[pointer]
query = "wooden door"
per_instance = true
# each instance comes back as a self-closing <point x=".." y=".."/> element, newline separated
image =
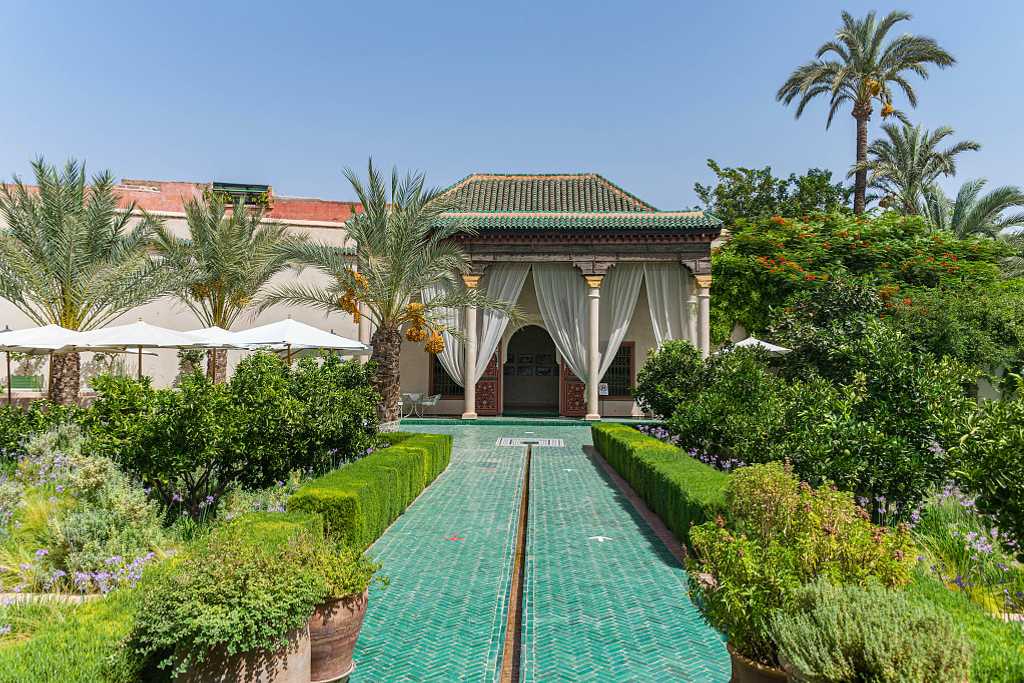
<point x="488" y="389"/>
<point x="573" y="396"/>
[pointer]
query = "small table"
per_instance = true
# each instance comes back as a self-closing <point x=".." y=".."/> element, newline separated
<point x="415" y="404"/>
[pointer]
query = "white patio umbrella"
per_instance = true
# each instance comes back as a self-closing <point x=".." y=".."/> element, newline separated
<point x="767" y="346"/>
<point x="137" y="335"/>
<point x="292" y="335"/>
<point x="214" y="337"/>
<point x="48" y="338"/>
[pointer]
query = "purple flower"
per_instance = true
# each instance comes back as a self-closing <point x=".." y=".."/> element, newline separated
<point x="176" y="498"/>
<point x="42" y="552"/>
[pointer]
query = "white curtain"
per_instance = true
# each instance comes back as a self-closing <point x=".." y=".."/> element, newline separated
<point x="502" y="281"/>
<point x="668" y="292"/>
<point x="562" y="299"/>
<point x="619" y="292"/>
<point x="454" y="353"/>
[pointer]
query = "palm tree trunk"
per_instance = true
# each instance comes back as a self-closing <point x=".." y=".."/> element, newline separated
<point x="387" y="349"/>
<point x="862" y="114"/>
<point x="65" y="375"/>
<point x="217" y="365"/>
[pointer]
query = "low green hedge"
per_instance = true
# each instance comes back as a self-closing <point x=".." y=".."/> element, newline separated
<point x="998" y="646"/>
<point x="682" y="491"/>
<point x="359" y="501"/>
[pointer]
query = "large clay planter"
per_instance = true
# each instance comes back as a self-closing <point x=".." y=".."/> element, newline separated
<point x="333" y="631"/>
<point x="748" y="671"/>
<point x="290" y="664"/>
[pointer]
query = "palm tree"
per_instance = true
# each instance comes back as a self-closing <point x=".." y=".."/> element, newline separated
<point x="864" y="66"/>
<point x="71" y="256"/>
<point x="403" y="244"/>
<point x="229" y="257"/>
<point x="973" y="213"/>
<point x="903" y="166"/>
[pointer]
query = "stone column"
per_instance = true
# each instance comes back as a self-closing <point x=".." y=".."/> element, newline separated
<point x="691" y="320"/>
<point x="469" y="362"/>
<point x="593" y="342"/>
<point x="704" y="314"/>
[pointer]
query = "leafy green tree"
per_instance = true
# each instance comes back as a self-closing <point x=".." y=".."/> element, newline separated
<point x="863" y="65"/>
<point x="740" y="193"/>
<point x="228" y="258"/>
<point x="908" y="161"/>
<point x="71" y="255"/>
<point x="404" y="243"/>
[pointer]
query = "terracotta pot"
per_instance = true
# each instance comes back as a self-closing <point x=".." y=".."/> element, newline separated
<point x="290" y="664"/>
<point x="333" y="631"/>
<point x="748" y="671"/>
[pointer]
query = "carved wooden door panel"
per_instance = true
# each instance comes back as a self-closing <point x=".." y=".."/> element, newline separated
<point x="573" y="395"/>
<point x="488" y="390"/>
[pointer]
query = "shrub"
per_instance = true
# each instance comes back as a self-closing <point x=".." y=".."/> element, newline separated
<point x="360" y="500"/>
<point x="18" y="424"/>
<point x="70" y="643"/>
<point x="80" y="524"/>
<point x="241" y="589"/>
<point x="193" y="444"/>
<point x="678" y="488"/>
<point x="990" y="459"/>
<point x="738" y="411"/>
<point x="782" y="533"/>
<point x="998" y="646"/>
<point x="849" y="633"/>
<point x="669" y="377"/>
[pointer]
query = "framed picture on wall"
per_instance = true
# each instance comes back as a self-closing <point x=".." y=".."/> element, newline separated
<point x="525" y="371"/>
<point x="545" y="370"/>
<point x="526" y="359"/>
<point x="545" y="359"/>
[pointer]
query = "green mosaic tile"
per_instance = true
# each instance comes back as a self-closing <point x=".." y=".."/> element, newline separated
<point x="449" y="558"/>
<point x="603" y="598"/>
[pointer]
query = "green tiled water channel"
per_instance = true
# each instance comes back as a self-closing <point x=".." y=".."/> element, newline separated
<point x="603" y="599"/>
<point x="449" y="558"/>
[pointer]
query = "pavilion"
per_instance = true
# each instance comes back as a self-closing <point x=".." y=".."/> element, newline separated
<point x="601" y="276"/>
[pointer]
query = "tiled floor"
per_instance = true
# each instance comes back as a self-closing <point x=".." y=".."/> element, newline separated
<point x="603" y="598"/>
<point x="449" y="558"/>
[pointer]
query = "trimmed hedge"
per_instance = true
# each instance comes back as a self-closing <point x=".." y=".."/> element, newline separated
<point x="359" y="501"/>
<point x="998" y="646"/>
<point x="680" y="490"/>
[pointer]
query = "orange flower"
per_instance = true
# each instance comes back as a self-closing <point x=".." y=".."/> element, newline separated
<point x="778" y="220"/>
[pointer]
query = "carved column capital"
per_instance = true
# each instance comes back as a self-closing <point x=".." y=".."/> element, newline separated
<point x="703" y="281"/>
<point x="471" y="280"/>
<point x="594" y="281"/>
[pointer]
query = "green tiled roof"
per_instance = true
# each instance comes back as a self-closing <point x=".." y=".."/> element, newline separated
<point x="577" y="202"/>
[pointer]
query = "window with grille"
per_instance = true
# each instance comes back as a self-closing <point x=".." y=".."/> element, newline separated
<point x="440" y="382"/>
<point x="619" y="375"/>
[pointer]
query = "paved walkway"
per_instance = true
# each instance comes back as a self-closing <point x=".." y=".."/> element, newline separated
<point x="603" y="598"/>
<point x="449" y="558"/>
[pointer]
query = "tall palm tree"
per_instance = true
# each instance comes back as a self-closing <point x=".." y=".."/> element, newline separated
<point x="863" y="66"/>
<point x="973" y="213"/>
<point x="403" y="245"/>
<point x="904" y="164"/>
<point x="228" y="258"/>
<point x="72" y="256"/>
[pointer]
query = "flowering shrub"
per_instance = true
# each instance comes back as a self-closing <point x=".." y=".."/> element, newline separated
<point x="770" y="260"/>
<point x="74" y="522"/>
<point x="719" y="462"/>
<point x="962" y="549"/>
<point x="778" y="534"/>
<point x="239" y="501"/>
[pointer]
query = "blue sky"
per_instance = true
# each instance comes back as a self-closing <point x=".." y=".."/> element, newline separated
<point x="643" y="92"/>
